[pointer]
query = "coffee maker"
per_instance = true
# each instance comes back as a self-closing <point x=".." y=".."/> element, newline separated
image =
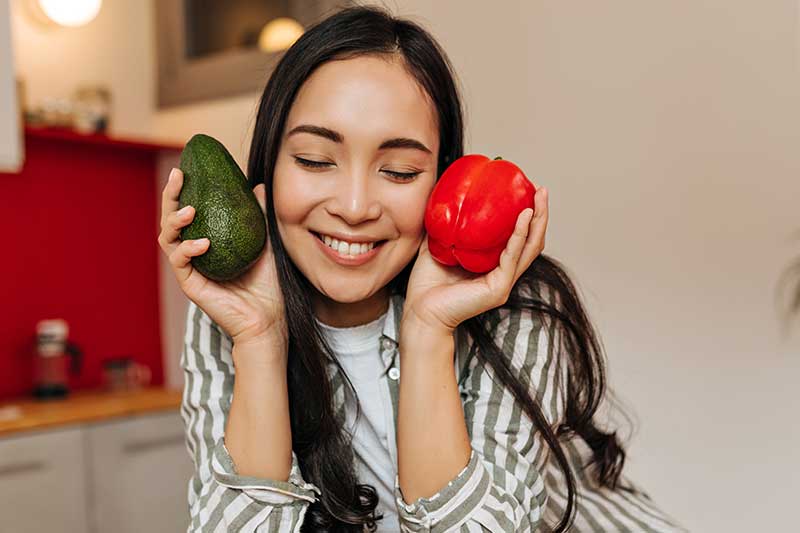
<point x="56" y="358"/>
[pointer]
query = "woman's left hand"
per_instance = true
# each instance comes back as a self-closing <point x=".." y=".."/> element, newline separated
<point x="441" y="297"/>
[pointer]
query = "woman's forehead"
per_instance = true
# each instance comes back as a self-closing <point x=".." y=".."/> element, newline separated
<point x="368" y="96"/>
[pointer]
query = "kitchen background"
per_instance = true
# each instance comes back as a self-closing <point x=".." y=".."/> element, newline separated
<point x="666" y="132"/>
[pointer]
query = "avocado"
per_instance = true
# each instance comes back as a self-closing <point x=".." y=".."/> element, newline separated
<point x="226" y="210"/>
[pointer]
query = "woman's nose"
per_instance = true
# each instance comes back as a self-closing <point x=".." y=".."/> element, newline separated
<point x="355" y="201"/>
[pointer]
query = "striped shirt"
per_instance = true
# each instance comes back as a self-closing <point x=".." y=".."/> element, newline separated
<point x="512" y="482"/>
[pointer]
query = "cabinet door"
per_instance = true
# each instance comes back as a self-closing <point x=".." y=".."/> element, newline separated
<point x="42" y="482"/>
<point x="140" y="471"/>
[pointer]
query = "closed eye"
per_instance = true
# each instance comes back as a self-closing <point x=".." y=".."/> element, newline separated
<point x="322" y="164"/>
<point x="312" y="164"/>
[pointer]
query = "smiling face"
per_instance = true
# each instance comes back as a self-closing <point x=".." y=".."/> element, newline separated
<point x="371" y="135"/>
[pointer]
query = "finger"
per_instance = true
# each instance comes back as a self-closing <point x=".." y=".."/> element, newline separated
<point x="170" y="194"/>
<point x="511" y="254"/>
<point x="536" y="234"/>
<point x="177" y="221"/>
<point x="541" y="216"/>
<point x="171" y="230"/>
<point x="181" y="258"/>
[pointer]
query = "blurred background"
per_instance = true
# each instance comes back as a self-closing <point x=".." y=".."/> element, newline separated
<point x="665" y="131"/>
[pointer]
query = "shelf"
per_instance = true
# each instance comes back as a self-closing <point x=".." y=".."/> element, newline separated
<point x="70" y="135"/>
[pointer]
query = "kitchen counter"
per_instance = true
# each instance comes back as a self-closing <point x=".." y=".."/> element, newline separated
<point x="27" y="414"/>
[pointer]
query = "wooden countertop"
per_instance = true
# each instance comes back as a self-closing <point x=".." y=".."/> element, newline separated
<point x="82" y="406"/>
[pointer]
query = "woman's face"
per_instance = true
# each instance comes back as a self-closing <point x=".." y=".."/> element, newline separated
<point x="362" y="121"/>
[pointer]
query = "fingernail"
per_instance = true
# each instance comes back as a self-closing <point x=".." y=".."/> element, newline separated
<point x="199" y="243"/>
<point x="184" y="211"/>
<point x="172" y="173"/>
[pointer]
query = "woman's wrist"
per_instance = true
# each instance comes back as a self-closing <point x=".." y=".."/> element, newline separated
<point x="263" y="331"/>
<point x="412" y="327"/>
<point x="266" y="349"/>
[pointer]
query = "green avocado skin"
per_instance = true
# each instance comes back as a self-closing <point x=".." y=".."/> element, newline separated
<point x="226" y="210"/>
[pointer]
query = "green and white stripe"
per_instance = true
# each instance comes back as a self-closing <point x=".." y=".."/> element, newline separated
<point x="511" y="483"/>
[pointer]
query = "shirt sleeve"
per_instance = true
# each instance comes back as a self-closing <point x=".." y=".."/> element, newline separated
<point x="500" y="489"/>
<point x="219" y="498"/>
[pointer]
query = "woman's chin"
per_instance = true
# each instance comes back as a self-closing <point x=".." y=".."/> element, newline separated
<point x="346" y="293"/>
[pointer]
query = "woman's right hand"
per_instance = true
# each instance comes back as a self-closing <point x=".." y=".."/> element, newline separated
<point x="250" y="307"/>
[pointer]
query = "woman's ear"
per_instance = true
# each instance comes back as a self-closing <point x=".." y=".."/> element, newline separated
<point x="261" y="196"/>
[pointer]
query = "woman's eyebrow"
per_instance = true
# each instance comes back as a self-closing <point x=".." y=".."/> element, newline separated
<point x="335" y="136"/>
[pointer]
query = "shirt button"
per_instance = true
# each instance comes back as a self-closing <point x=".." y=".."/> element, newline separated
<point x="387" y="344"/>
<point x="394" y="373"/>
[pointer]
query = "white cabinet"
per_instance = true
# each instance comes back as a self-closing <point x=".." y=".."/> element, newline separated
<point x="140" y="471"/>
<point x="125" y="475"/>
<point x="43" y="482"/>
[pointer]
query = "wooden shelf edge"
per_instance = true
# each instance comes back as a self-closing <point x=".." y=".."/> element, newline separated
<point x="70" y="135"/>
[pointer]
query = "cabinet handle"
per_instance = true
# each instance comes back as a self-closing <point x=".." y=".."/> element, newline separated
<point x="146" y="445"/>
<point x="20" y="468"/>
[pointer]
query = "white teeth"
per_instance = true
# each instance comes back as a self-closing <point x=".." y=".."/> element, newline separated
<point x="345" y="248"/>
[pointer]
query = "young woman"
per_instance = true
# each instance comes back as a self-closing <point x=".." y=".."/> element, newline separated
<point x="491" y="426"/>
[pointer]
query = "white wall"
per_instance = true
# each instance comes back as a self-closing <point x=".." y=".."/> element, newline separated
<point x="118" y="49"/>
<point x="667" y="134"/>
<point x="10" y="146"/>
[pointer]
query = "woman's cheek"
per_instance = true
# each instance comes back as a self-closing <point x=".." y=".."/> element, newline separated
<point x="411" y="213"/>
<point x="293" y="196"/>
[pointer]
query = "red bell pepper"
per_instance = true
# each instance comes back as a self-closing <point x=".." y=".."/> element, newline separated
<point x="472" y="210"/>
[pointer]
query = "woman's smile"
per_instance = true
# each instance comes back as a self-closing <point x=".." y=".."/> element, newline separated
<point x="347" y="253"/>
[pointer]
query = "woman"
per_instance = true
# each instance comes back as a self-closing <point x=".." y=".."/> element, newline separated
<point x="491" y="425"/>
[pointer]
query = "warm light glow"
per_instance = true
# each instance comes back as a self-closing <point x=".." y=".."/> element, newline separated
<point x="279" y="34"/>
<point x="71" y="12"/>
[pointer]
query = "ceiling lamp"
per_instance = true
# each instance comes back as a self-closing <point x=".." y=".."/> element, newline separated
<point x="71" y="13"/>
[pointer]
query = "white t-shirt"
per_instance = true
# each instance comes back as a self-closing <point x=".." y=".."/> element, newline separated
<point x="358" y="351"/>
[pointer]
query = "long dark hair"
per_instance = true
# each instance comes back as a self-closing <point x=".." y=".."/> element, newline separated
<point x="318" y="436"/>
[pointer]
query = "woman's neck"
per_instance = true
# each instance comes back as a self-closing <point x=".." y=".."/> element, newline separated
<point x="345" y="315"/>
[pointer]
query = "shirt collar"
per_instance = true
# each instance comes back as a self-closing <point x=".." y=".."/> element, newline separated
<point x="391" y="328"/>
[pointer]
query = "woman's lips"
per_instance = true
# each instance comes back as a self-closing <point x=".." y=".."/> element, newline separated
<point x="344" y="260"/>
